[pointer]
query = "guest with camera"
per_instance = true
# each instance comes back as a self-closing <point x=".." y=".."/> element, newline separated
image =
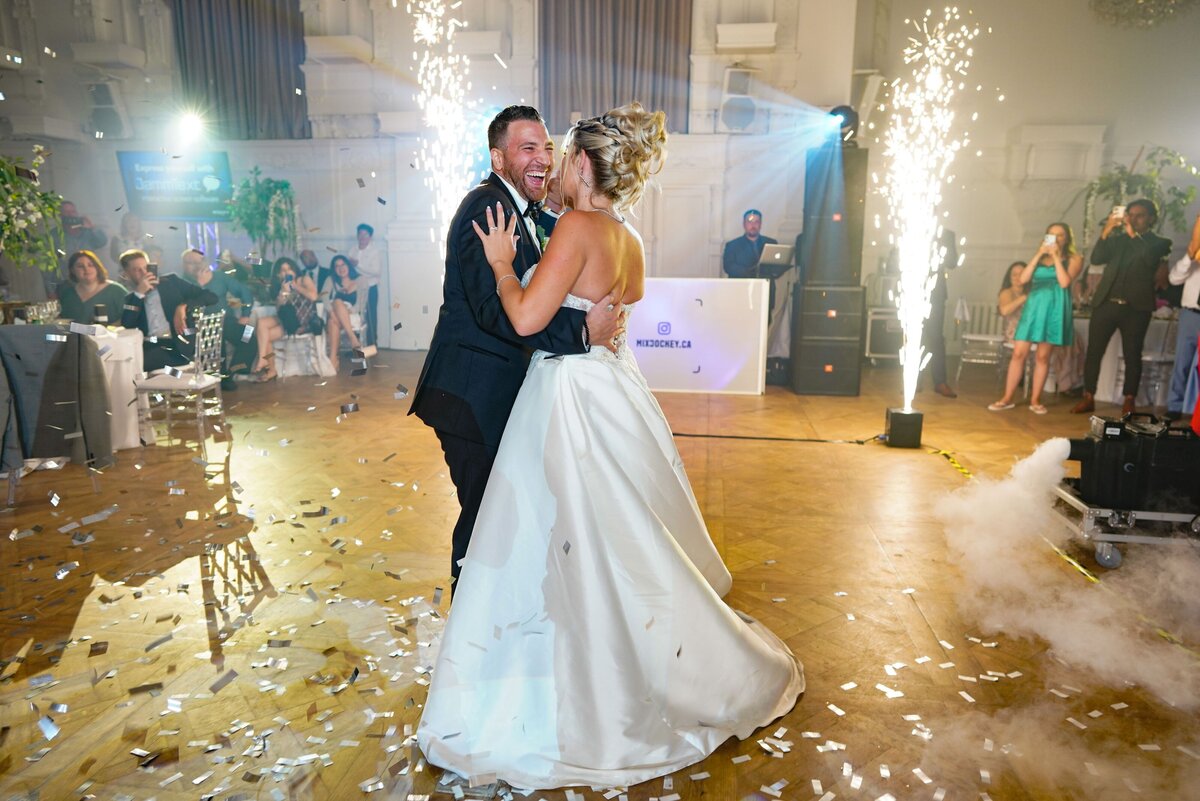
<point x="160" y="308"/>
<point x="1132" y="255"/>
<point x="1186" y="271"/>
<point x="295" y="298"/>
<point x="1046" y="316"/>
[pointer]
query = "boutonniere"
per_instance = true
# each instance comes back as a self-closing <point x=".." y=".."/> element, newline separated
<point x="543" y="237"/>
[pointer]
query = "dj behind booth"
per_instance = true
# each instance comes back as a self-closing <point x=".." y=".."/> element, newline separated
<point x="754" y="255"/>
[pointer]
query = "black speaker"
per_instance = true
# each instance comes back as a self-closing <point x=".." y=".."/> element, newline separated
<point x="827" y="330"/>
<point x="835" y="190"/>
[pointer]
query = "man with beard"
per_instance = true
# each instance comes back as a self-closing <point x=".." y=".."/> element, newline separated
<point x="476" y="359"/>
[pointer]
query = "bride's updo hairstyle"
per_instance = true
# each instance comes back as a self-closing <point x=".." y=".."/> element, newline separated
<point x="625" y="147"/>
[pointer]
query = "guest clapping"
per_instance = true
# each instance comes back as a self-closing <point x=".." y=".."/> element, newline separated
<point x="295" y="298"/>
<point x="1046" y="317"/>
<point x="344" y="297"/>
<point x="88" y="287"/>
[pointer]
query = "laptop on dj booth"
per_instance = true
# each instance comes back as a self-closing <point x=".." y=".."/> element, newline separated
<point x="775" y="260"/>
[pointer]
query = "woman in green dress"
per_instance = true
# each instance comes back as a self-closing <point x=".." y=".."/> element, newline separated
<point x="1046" y="319"/>
<point x="88" y="288"/>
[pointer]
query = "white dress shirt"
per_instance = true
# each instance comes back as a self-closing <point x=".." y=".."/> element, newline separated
<point x="369" y="263"/>
<point x="1186" y="271"/>
<point x="522" y="204"/>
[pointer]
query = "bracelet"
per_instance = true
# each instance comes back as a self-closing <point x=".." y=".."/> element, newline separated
<point x="501" y="281"/>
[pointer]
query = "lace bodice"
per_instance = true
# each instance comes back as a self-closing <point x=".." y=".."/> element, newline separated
<point x="570" y="302"/>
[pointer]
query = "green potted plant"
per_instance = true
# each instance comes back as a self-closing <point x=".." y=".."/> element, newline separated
<point x="265" y="208"/>
<point x="1119" y="184"/>
<point x="27" y="214"/>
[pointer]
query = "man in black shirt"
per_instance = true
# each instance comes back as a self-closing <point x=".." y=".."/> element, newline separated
<point x="1132" y="256"/>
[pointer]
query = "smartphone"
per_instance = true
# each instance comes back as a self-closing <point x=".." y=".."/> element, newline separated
<point x="152" y="267"/>
<point x="72" y="222"/>
<point x="1049" y="240"/>
<point x="1118" y="212"/>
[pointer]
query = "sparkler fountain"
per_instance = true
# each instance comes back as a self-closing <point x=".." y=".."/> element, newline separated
<point x="920" y="147"/>
<point x="442" y="76"/>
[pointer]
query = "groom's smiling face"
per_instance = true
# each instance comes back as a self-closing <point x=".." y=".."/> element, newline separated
<point x="526" y="158"/>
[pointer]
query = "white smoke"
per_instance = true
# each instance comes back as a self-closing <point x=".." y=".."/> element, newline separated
<point x="1014" y="584"/>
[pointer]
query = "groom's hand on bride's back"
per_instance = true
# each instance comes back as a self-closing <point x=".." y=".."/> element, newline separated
<point x="605" y="323"/>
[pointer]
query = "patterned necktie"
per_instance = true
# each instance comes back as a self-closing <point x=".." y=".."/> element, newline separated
<point x="534" y="211"/>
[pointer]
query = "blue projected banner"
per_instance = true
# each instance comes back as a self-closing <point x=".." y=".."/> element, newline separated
<point x="195" y="187"/>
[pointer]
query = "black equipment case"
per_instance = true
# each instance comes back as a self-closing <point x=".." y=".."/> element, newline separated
<point x="1139" y="463"/>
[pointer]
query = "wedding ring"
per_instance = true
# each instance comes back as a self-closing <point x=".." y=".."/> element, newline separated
<point x="494" y="229"/>
<point x="610" y="307"/>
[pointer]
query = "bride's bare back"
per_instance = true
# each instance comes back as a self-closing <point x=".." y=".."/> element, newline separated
<point x="614" y="258"/>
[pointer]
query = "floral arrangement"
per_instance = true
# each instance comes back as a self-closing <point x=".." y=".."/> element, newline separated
<point x="27" y="214"/>
<point x="265" y="208"/>
<point x="1119" y="183"/>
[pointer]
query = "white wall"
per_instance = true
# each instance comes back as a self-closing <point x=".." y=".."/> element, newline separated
<point x="1078" y="93"/>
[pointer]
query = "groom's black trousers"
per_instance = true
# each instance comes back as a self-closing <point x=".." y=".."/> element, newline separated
<point x="470" y="465"/>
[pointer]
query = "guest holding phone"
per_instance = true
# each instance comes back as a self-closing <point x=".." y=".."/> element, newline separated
<point x="1133" y="256"/>
<point x="160" y="308"/>
<point x="88" y="296"/>
<point x="295" y="297"/>
<point x="1046" y="317"/>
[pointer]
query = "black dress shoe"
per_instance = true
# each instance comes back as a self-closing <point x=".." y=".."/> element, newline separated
<point x="228" y="384"/>
<point x="945" y="391"/>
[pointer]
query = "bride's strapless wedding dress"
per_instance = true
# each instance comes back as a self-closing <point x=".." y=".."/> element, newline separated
<point x="588" y="643"/>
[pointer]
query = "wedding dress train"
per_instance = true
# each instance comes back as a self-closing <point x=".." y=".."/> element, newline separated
<point x="588" y="643"/>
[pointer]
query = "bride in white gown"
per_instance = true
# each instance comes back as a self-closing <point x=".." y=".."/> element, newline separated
<point x="588" y="643"/>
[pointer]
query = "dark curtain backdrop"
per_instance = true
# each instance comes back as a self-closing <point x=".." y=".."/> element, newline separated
<point x="600" y="54"/>
<point x="240" y="62"/>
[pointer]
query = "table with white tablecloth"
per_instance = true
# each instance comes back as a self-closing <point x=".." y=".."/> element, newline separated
<point x="121" y="354"/>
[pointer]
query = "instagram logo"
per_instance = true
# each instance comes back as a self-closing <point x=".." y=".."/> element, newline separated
<point x="664" y="329"/>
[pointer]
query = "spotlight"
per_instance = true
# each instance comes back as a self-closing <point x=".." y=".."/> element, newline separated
<point x="846" y="119"/>
<point x="189" y="129"/>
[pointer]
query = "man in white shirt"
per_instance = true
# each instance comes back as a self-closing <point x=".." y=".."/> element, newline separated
<point x="1186" y="271"/>
<point x="368" y="261"/>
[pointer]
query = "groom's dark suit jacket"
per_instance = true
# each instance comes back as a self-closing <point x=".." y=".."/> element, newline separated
<point x="476" y="360"/>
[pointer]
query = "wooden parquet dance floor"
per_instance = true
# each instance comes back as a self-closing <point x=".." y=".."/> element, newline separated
<point x="260" y="626"/>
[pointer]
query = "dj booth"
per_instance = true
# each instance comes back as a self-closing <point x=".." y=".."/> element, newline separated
<point x="702" y="334"/>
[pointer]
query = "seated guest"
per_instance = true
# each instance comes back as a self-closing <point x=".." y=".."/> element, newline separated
<point x="159" y="307"/>
<point x="342" y="296"/>
<point x="88" y="287"/>
<point x="1186" y="272"/>
<point x="313" y="269"/>
<point x="295" y="297"/>
<point x="1046" y="318"/>
<point x="1013" y="295"/>
<point x="236" y="300"/>
<point x="1131" y="254"/>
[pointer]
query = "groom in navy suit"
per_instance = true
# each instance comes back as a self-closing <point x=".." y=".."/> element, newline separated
<point x="476" y="359"/>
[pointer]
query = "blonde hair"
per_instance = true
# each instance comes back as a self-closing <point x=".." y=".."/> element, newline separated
<point x="625" y="147"/>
